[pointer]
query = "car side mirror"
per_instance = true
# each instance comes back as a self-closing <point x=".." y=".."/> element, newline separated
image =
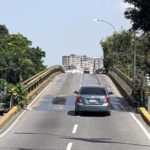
<point x="110" y="92"/>
<point x="76" y="92"/>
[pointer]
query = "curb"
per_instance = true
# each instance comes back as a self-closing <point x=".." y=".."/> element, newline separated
<point x="145" y="114"/>
<point x="4" y="119"/>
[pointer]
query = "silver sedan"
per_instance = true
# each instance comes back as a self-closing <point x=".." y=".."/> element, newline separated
<point x="92" y="99"/>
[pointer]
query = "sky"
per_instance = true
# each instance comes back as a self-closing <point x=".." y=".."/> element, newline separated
<point x="64" y="27"/>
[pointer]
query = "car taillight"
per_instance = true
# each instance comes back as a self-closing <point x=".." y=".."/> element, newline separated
<point x="78" y="99"/>
<point x="107" y="99"/>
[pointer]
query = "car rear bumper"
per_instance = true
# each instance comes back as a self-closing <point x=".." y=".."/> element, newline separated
<point x="93" y="108"/>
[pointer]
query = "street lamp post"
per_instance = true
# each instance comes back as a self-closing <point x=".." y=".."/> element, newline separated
<point x="100" y="20"/>
<point x="134" y="60"/>
<point x="105" y="21"/>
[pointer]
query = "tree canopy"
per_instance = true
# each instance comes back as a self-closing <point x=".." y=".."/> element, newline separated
<point x="121" y="55"/>
<point x="139" y="14"/>
<point x="3" y="30"/>
<point x="18" y="59"/>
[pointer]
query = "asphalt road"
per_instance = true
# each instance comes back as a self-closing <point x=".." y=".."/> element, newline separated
<point x="50" y="124"/>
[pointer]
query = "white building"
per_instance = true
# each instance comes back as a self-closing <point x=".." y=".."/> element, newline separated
<point x="81" y="62"/>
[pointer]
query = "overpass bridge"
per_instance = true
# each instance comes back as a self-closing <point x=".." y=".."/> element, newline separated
<point x="48" y="122"/>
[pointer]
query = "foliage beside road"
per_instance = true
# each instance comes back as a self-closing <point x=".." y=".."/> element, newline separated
<point x="118" y="51"/>
<point x="18" y="59"/>
<point x="119" y="48"/>
<point x="139" y="14"/>
<point x="18" y="62"/>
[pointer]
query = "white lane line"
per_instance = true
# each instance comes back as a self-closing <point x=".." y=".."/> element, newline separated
<point x="13" y="124"/>
<point x="19" y="117"/>
<point x="69" y="146"/>
<point x="75" y="128"/>
<point x="142" y="127"/>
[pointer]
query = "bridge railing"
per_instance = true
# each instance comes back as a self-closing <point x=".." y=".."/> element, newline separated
<point x="35" y="83"/>
<point x="138" y="93"/>
<point x="28" y="80"/>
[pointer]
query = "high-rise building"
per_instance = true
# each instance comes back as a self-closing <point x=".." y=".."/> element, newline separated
<point x="81" y="63"/>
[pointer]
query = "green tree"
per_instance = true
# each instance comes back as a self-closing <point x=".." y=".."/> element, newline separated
<point x="108" y="51"/>
<point x="139" y="14"/>
<point x="17" y="95"/>
<point x="3" y="30"/>
<point x="18" y="59"/>
<point x="118" y="51"/>
<point x="143" y="54"/>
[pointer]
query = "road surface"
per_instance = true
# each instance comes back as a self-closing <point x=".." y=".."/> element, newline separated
<point x="50" y="124"/>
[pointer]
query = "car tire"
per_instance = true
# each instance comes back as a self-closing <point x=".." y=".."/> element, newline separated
<point x="108" y="113"/>
<point x="76" y="113"/>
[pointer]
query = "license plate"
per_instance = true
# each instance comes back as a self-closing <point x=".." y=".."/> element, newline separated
<point x="92" y="101"/>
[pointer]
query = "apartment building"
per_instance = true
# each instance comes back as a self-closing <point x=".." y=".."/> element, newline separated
<point x="81" y="62"/>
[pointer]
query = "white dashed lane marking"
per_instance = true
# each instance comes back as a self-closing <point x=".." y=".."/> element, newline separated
<point x="69" y="146"/>
<point x="75" y="129"/>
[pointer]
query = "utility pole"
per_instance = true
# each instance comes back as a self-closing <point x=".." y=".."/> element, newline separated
<point x="94" y="65"/>
<point x="134" y="60"/>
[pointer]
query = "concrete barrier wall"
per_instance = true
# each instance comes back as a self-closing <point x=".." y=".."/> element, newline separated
<point x="121" y="81"/>
<point x="124" y="82"/>
<point x="8" y="116"/>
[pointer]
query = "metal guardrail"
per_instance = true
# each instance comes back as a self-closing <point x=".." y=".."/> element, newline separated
<point x="128" y="80"/>
<point x="36" y="82"/>
<point x="28" y="80"/>
<point x="34" y="85"/>
<point x="138" y="92"/>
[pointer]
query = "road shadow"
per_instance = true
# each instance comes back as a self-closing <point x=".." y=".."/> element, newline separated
<point x="104" y="140"/>
<point x="88" y="114"/>
<point x="121" y="104"/>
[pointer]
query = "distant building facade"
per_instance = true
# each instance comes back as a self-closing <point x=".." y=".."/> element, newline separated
<point x="81" y="62"/>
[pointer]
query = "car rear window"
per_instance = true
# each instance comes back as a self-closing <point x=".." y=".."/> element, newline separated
<point x="92" y="91"/>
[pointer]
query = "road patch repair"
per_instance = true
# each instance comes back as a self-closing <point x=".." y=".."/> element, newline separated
<point x="59" y="100"/>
